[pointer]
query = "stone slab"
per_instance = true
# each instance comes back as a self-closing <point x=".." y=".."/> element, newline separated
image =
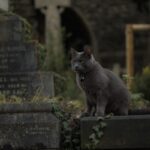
<point x="26" y="129"/>
<point x="122" y="132"/>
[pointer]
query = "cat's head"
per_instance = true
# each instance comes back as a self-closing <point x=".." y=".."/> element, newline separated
<point x="82" y="62"/>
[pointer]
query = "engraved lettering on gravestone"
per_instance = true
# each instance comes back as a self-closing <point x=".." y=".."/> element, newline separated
<point x="17" y="57"/>
<point x="14" y="84"/>
<point x="38" y="130"/>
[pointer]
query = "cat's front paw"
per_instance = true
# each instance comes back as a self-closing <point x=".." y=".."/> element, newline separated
<point x="84" y="114"/>
<point x="99" y="114"/>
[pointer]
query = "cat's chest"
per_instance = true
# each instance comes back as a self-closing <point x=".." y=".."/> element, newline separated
<point x="87" y="82"/>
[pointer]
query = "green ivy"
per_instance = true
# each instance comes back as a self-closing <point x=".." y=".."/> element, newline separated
<point x="97" y="132"/>
<point x="70" y="131"/>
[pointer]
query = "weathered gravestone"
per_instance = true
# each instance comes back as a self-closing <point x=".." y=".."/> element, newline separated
<point x="18" y="60"/>
<point x="28" y="126"/>
<point x="121" y="132"/>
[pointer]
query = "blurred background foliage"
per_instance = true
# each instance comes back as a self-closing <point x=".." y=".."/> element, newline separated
<point x="140" y="90"/>
<point x="142" y="83"/>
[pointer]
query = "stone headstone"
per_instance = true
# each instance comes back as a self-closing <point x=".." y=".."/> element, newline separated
<point x="18" y="61"/>
<point x="28" y="126"/>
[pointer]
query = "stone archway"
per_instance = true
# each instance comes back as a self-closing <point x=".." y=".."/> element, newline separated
<point x="76" y="31"/>
<point x="59" y="15"/>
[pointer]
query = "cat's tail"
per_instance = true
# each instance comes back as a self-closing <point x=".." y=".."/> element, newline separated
<point x="145" y="111"/>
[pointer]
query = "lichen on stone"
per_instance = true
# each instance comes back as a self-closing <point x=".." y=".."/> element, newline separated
<point x="26" y="27"/>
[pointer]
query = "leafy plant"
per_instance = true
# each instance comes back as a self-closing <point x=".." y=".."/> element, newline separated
<point x="138" y="101"/>
<point x="142" y="83"/>
<point x="98" y="132"/>
<point x="70" y="131"/>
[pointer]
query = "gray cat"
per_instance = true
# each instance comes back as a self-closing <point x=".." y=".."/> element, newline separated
<point x="105" y="92"/>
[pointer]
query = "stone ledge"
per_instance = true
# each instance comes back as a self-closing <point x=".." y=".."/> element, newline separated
<point x="122" y="132"/>
<point x="25" y="108"/>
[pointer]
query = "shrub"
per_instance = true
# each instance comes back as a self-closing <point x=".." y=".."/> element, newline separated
<point x="142" y="83"/>
<point x="138" y="102"/>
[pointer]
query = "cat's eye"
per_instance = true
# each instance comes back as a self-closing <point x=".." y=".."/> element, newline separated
<point x="80" y="61"/>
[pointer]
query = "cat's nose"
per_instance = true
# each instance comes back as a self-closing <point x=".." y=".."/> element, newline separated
<point x="76" y="67"/>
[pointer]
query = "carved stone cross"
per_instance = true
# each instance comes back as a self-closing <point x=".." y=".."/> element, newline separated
<point x="53" y="30"/>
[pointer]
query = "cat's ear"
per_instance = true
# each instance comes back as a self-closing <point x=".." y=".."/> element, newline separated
<point x="87" y="51"/>
<point x="73" y="52"/>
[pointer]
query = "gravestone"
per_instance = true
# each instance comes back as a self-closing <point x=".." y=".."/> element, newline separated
<point x="28" y="126"/>
<point x="18" y="60"/>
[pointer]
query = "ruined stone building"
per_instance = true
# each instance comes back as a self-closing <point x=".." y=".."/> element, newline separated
<point x="98" y="23"/>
